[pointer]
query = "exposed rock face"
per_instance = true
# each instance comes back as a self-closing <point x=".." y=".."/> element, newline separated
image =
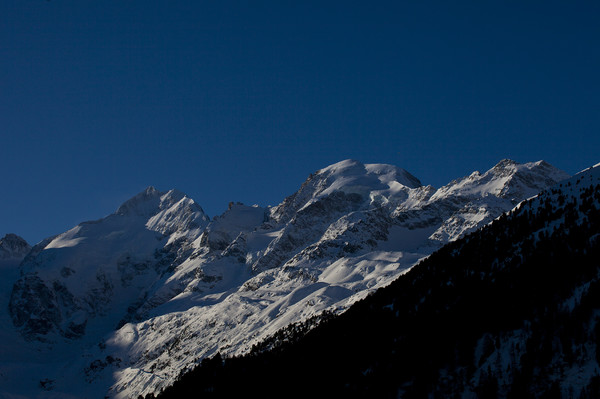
<point x="13" y="248"/>
<point x="35" y="307"/>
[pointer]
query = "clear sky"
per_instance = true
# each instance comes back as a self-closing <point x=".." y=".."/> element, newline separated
<point x="240" y="101"/>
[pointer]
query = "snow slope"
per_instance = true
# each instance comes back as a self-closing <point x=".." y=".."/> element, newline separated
<point x="143" y="294"/>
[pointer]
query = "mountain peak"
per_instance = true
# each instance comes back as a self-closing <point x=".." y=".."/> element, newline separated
<point x="341" y="166"/>
<point x="167" y="212"/>
<point x="365" y="182"/>
<point x="506" y="162"/>
<point x="378" y="176"/>
<point x="145" y="203"/>
<point x="504" y="168"/>
<point x="13" y="247"/>
<point x="10" y="237"/>
<point x="507" y="179"/>
<point x="541" y="162"/>
<point x="525" y="180"/>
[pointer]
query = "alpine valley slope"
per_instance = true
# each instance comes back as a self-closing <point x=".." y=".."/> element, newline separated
<point x="121" y="306"/>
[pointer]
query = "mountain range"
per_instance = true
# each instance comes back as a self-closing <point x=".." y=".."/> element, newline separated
<point x="511" y="310"/>
<point x="123" y="305"/>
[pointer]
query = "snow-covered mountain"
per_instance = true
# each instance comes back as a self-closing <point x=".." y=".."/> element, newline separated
<point x="510" y="311"/>
<point x="143" y="294"/>
<point x="95" y="274"/>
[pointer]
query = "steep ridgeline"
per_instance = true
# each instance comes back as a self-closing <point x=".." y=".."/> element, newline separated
<point x="509" y="311"/>
<point x="149" y="291"/>
<point x="96" y="273"/>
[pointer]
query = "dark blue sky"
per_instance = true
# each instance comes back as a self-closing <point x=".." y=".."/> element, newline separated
<point x="240" y="101"/>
